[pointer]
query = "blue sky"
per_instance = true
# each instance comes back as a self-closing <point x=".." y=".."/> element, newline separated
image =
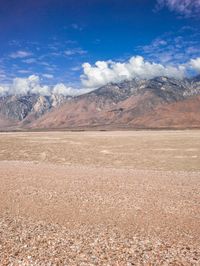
<point x="53" y="38"/>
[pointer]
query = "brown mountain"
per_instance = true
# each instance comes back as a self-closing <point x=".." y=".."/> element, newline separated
<point x="156" y="103"/>
<point x="160" y="102"/>
<point x="182" y="114"/>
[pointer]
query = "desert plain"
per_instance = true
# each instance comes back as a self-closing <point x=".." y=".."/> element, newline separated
<point x="100" y="198"/>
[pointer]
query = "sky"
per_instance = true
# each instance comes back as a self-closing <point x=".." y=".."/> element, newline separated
<point x="71" y="47"/>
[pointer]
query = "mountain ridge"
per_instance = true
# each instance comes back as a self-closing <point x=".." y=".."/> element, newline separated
<point x="133" y="103"/>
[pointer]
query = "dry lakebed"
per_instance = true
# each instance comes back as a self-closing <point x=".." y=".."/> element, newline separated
<point x="100" y="198"/>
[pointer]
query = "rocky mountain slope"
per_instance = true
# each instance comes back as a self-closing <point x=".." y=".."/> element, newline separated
<point x="159" y="102"/>
<point x="23" y="109"/>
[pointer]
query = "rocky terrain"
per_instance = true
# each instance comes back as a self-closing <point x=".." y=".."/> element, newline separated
<point x="159" y="102"/>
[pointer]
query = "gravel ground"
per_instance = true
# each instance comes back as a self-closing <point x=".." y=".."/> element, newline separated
<point x="27" y="243"/>
<point x="53" y="213"/>
<point x="61" y="215"/>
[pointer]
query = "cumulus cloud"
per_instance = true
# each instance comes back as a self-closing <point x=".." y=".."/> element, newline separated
<point x="188" y="8"/>
<point x="20" y="54"/>
<point x="104" y="72"/>
<point x="195" y="64"/>
<point x="4" y="90"/>
<point x="99" y="74"/>
<point x="28" y="85"/>
<point x="23" y="86"/>
<point x="32" y="85"/>
<point x="64" y="90"/>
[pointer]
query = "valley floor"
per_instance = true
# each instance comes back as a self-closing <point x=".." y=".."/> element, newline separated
<point x="100" y="198"/>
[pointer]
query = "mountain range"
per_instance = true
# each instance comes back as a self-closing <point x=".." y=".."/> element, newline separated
<point x="160" y="102"/>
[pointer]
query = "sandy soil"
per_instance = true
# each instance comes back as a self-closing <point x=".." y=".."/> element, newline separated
<point x="100" y="198"/>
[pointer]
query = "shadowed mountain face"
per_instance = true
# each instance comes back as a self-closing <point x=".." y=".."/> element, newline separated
<point x="159" y="102"/>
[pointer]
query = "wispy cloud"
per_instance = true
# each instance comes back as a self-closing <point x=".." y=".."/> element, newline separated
<point x="2" y="76"/>
<point x="30" y="60"/>
<point x="20" y="54"/>
<point x="43" y="63"/>
<point x="173" y="48"/>
<point x="23" y="71"/>
<point x="76" y="68"/>
<point x="76" y="27"/>
<point x="187" y="8"/>
<point x="75" y="51"/>
<point x="51" y="68"/>
<point x="48" y="76"/>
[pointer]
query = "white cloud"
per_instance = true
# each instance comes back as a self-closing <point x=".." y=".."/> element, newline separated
<point x="76" y="68"/>
<point x="3" y="90"/>
<point x="23" y="86"/>
<point x="61" y="89"/>
<point x="64" y="90"/>
<point x="2" y="76"/>
<point x="195" y="64"/>
<point x="29" y="85"/>
<point x="173" y="47"/>
<point x="104" y="72"/>
<point x="48" y="76"/>
<point x="75" y="51"/>
<point x="32" y="85"/>
<point x="23" y="71"/>
<point x="30" y="60"/>
<point x="101" y="73"/>
<point x="20" y="54"/>
<point x="188" y="8"/>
